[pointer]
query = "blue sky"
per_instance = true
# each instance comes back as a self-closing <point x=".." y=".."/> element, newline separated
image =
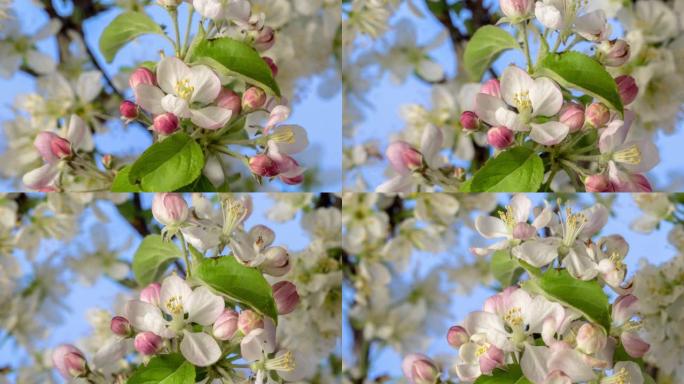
<point x="321" y="117"/>
<point x="387" y="97"/>
<point x="652" y="247"/>
<point x="102" y="293"/>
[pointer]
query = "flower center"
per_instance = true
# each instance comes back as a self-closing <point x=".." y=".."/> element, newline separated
<point x="284" y="362"/>
<point x="522" y="102"/>
<point x="183" y="89"/>
<point x="574" y="224"/>
<point x="620" y="377"/>
<point x="514" y="318"/>
<point x="234" y="210"/>
<point x="284" y="135"/>
<point x="482" y="349"/>
<point x="508" y="216"/>
<point x="175" y="306"/>
<point x="629" y="155"/>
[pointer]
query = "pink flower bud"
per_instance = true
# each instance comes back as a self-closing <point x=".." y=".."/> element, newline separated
<point x="253" y="98"/>
<point x="147" y="343"/>
<point x="403" y="157"/>
<point x="265" y="39"/>
<point x="52" y="147"/>
<point x="500" y="137"/>
<point x="165" y="124"/>
<point x="590" y="339"/>
<point x="597" y="115"/>
<point x="470" y="121"/>
<point x="128" y="110"/>
<point x="516" y="8"/>
<point x="634" y="345"/>
<point x="277" y="262"/>
<point x="624" y="308"/>
<point x="572" y="115"/>
<point x="60" y="147"/>
<point x="272" y="65"/>
<point x="150" y="294"/>
<point x="457" y="336"/>
<point x="524" y="231"/>
<point x="226" y="325"/>
<point x="598" y="183"/>
<point x="263" y="165"/>
<point x="286" y="297"/>
<point x="419" y="369"/>
<point x="640" y="183"/>
<point x="107" y="161"/>
<point x="69" y="361"/>
<point x="491" y="87"/>
<point x="490" y="360"/>
<point x="613" y="53"/>
<point x="229" y="100"/>
<point x="628" y="88"/>
<point x="169" y="208"/>
<point x="120" y="326"/>
<point x="142" y="76"/>
<point x="248" y="321"/>
<point x="294" y="180"/>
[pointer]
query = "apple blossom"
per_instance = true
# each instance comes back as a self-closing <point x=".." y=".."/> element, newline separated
<point x="628" y="88"/>
<point x="169" y="209"/>
<point x="229" y="100"/>
<point x="469" y="121"/>
<point x="597" y="115"/>
<point x="613" y="53"/>
<point x="120" y="326"/>
<point x="572" y="115"/>
<point x="69" y="361"/>
<point x="285" y="296"/>
<point x="457" y="336"/>
<point x="147" y="343"/>
<point x="403" y="157"/>
<point x="150" y="294"/>
<point x="128" y="110"/>
<point x="419" y="369"/>
<point x="500" y="137"/>
<point x="253" y="98"/>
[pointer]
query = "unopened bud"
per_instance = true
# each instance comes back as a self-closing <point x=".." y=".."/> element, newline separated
<point x="166" y="124"/>
<point x="69" y="361"/>
<point x="60" y="147"/>
<point x="277" y="262"/>
<point x="613" y="53"/>
<point x="169" y="208"/>
<point x="249" y="320"/>
<point x="128" y="110"/>
<point x="500" y="137"/>
<point x="107" y="161"/>
<point x="229" y="100"/>
<point x="597" y="115"/>
<point x="272" y="65"/>
<point x="52" y="147"/>
<point x="147" y="343"/>
<point x="470" y="121"/>
<point x="628" y="88"/>
<point x="572" y="115"/>
<point x="590" y="339"/>
<point x="419" y="369"/>
<point x="457" y="336"/>
<point x="285" y="296"/>
<point x="253" y="98"/>
<point x="142" y="76"/>
<point x="151" y="294"/>
<point x="597" y="183"/>
<point x="120" y="326"/>
<point x="263" y="165"/>
<point x="265" y="39"/>
<point x="403" y="157"/>
<point x="226" y="325"/>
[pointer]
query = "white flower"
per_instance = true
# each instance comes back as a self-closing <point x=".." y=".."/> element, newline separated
<point x="541" y="364"/>
<point x="180" y="307"/>
<point x="531" y="98"/>
<point x="182" y="90"/>
<point x="256" y="347"/>
<point x="222" y="9"/>
<point x="16" y="47"/>
<point x="654" y="20"/>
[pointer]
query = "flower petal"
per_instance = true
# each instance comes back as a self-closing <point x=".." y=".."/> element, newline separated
<point x="41" y="178"/>
<point x="204" y="307"/>
<point x="486" y="107"/>
<point x="170" y="71"/>
<point x="206" y="84"/>
<point x="549" y="133"/>
<point x="210" y="117"/>
<point x="173" y="287"/>
<point x="144" y="316"/>
<point x="149" y="98"/>
<point x="515" y="81"/>
<point x="537" y="252"/>
<point x="200" y="348"/>
<point x="521" y="206"/>
<point x="79" y="134"/>
<point x="491" y="227"/>
<point x="546" y="97"/>
<point x="176" y="105"/>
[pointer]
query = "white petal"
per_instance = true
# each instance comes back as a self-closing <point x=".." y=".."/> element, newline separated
<point x="486" y="107"/>
<point x="174" y="287"/>
<point x="204" y="307"/>
<point x="89" y="85"/>
<point x="537" y="252"/>
<point x="79" y="134"/>
<point x="515" y="81"/>
<point x="430" y="144"/>
<point x="511" y="120"/>
<point x="176" y="105"/>
<point x="430" y="71"/>
<point x="41" y="62"/>
<point x="206" y="83"/>
<point x="491" y="227"/>
<point x="144" y="316"/>
<point x="210" y="117"/>
<point x="549" y="133"/>
<point x="256" y="343"/>
<point x="41" y="178"/>
<point x="615" y="133"/>
<point x="579" y="264"/>
<point x="397" y="184"/>
<point x="170" y="72"/>
<point x="521" y="206"/>
<point x="534" y="363"/>
<point x="546" y="97"/>
<point x="213" y="170"/>
<point x="572" y="364"/>
<point x="296" y="144"/>
<point x="548" y="15"/>
<point x="488" y="323"/>
<point x="649" y="156"/>
<point x="10" y="62"/>
<point x="149" y="98"/>
<point x="200" y="348"/>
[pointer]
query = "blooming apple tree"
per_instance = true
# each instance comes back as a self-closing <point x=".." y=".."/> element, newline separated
<point x="576" y="109"/>
<point x="206" y="299"/>
<point x="214" y="100"/>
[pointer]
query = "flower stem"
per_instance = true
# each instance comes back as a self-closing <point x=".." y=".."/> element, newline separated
<point x="176" y="31"/>
<point x="523" y="30"/>
<point x="186" y="254"/>
<point x="188" y="27"/>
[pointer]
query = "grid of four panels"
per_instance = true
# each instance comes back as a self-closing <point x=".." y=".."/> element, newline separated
<point x="341" y="191"/>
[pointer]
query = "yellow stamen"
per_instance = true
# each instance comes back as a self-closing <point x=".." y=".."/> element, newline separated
<point x="183" y="89"/>
<point x="284" y="135"/>
<point x="175" y="305"/>
<point x="629" y="155"/>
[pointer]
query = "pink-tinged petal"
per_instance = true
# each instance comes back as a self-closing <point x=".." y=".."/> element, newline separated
<point x="170" y="72"/>
<point x="43" y="143"/>
<point x="41" y="179"/>
<point x="572" y="364"/>
<point x="210" y="117"/>
<point x="549" y="133"/>
<point x="515" y="81"/>
<point x="145" y="317"/>
<point x="521" y="206"/>
<point x="206" y="83"/>
<point x="491" y="227"/>
<point x="597" y="217"/>
<point x="511" y="120"/>
<point x="534" y="363"/>
<point x="397" y="184"/>
<point x="546" y="97"/>
<point x="79" y="134"/>
<point x="204" y="307"/>
<point x="256" y="343"/>
<point x="149" y="98"/>
<point x="537" y="252"/>
<point x="486" y="107"/>
<point x="279" y="114"/>
<point x="615" y="133"/>
<point x="200" y="348"/>
<point x="176" y="105"/>
<point x="431" y="144"/>
<point x="173" y="287"/>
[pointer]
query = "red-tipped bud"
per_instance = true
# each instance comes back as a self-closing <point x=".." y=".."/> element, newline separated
<point x="265" y="39"/>
<point x="572" y="115"/>
<point x="249" y="320"/>
<point x="263" y="165"/>
<point x="69" y="361"/>
<point x="60" y="147"/>
<point x="166" y="124"/>
<point x="470" y="121"/>
<point x="457" y="336"/>
<point x="419" y="369"/>
<point x="500" y="137"/>
<point x="272" y="65"/>
<point x="597" y="183"/>
<point x="52" y="147"/>
<point x="628" y="88"/>
<point x="147" y="343"/>
<point x="491" y="87"/>
<point x="286" y="297"/>
<point x="169" y="208"/>
<point x="142" y="76"/>
<point x="120" y="326"/>
<point x="150" y="294"/>
<point x="128" y="110"/>
<point x="403" y="157"/>
<point x="229" y="100"/>
<point x="226" y="325"/>
<point x="253" y="98"/>
<point x="597" y="115"/>
<point x="294" y="180"/>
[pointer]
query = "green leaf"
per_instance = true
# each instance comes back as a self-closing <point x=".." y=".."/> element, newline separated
<point x="234" y="58"/>
<point x="152" y="258"/>
<point x="164" y="369"/>
<point x="124" y="29"/>
<point x="239" y="283"/>
<point x="515" y="170"/>
<point x="168" y="165"/>
<point x="512" y="374"/>
<point x="585" y="296"/>
<point x="579" y="71"/>
<point x="121" y="182"/>
<point x="505" y="269"/>
<point x="484" y="47"/>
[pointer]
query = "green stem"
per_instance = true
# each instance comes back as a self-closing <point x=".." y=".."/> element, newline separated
<point x="186" y="253"/>
<point x="176" y="30"/>
<point x="523" y="30"/>
<point x="547" y="185"/>
<point x="557" y="44"/>
<point x="188" y="27"/>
